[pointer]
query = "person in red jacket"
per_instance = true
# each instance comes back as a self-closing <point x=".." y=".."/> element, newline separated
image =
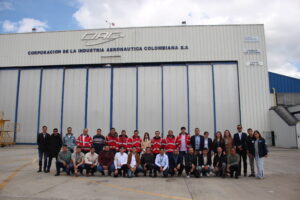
<point x="112" y="140"/>
<point x="84" y="141"/>
<point x="123" y="140"/>
<point x="135" y="141"/>
<point x="183" y="142"/>
<point x="170" y="143"/>
<point x="157" y="143"/>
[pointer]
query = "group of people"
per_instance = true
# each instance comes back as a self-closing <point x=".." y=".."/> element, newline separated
<point x="120" y="155"/>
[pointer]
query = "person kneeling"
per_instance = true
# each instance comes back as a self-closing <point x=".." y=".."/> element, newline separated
<point x="91" y="161"/>
<point x="161" y="163"/>
<point x="147" y="161"/>
<point x="220" y="163"/>
<point x="77" y="161"/>
<point x="63" y="161"/>
<point x="204" y="167"/>
<point x="120" y="162"/>
<point x="106" y="161"/>
<point x="190" y="160"/>
<point x="133" y="163"/>
<point x="233" y="160"/>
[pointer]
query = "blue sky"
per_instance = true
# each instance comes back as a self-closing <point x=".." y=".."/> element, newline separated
<point x="280" y="17"/>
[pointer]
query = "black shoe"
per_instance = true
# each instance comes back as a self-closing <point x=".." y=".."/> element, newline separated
<point x="245" y="174"/>
<point x="236" y="177"/>
<point x="155" y="175"/>
<point x="150" y="174"/>
<point x="40" y="170"/>
<point x="103" y="173"/>
<point x="231" y="175"/>
<point x="145" y="173"/>
<point x="57" y="174"/>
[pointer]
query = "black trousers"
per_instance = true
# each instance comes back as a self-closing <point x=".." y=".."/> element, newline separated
<point x="157" y="168"/>
<point x="90" y="169"/>
<point x="122" y="171"/>
<point x="172" y="171"/>
<point x="43" y="155"/>
<point x="50" y="160"/>
<point x="234" y="168"/>
<point x="149" y="166"/>
<point x="243" y="156"/>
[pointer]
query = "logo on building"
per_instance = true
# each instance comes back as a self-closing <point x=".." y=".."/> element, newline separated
<point x="95" y="38"/>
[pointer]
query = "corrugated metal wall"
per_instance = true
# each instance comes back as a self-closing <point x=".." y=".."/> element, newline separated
<point x="147" y="98"/>
<point x="283" y="84"/>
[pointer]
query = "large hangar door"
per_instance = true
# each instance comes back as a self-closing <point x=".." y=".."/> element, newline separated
<point x="201" y="98"/>
<point x="50" y="108"/>
<point x="28" y="106"/>
<point x="124" y="99"/>
<point x="74" y="100"/>
<point x="149" y="100"/>
<point x="175" y="98"/>
<point x="99" y="100"/>
<point x="226" y="96"/>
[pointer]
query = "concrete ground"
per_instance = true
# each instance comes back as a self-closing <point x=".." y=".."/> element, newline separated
<point x="19" y="180"/>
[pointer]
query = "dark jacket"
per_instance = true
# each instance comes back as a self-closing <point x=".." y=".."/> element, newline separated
<point x="262" y="148"/>
<point x="147" y="158"/>
<point x="250" y="144"/>
<point x="210" y="146"/>
<point x="218" y="160"/>
<point x="193" y="142"/>
<point x="55" y="144"/>
<point x="190" y="159"/>
<point x="174" y="160"/>
<point x="240" y="142"/>
<point x="98" y="142"/>
<point x="43" y="142"/>
<point x="106" y="158"/>
<point x="217" y="144"/>
<point x="201" y="159"/>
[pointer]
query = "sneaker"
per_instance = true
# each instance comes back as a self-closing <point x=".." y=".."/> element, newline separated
<point x="187" y="176"/>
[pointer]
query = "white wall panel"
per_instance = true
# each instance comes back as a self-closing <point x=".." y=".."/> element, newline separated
<point x="28" y="106"/>
<point x="201" y="98"/>
<point x="149" y="102"/>
<point x="8" y="90"/>
<point x="124" y="99"/>
<point x="74" y="100"/>
<point x="99" y="100"/>
<point x="226" y="97"/>
<point x="50" y="111"/>
<point x="175" y="98"/>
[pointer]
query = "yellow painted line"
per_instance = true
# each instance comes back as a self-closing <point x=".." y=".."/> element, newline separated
<point x="135" y="190"/>
<point x="12" y="175"/>
<point x="13" y="161"/>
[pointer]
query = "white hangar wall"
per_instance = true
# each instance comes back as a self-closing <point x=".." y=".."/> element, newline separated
<point x="218" y="79"/>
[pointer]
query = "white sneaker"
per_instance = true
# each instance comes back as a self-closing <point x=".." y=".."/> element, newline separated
<point x="187" y="176"/>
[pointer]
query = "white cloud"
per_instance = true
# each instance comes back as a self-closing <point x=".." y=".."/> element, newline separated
<point x="24" y="25"/>
<point x="281" y="19"/>
<point x="6" y="5"/>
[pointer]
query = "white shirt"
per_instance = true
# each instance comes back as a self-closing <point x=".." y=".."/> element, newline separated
<point x="120" y="159"/>
<point x="91" y="158"/>
<point x="133" y="161"/>
<point x="206" y="143"/>
<point x="162" y="161"/>
<point x="240" y="135"/>
<point x="183" y="143"/>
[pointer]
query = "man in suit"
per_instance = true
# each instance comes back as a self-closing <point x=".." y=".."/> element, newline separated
<point x="207" y="142"/>
<point x="176" y="163"/>
<point x="240" y="143"/>
<point x="205" y="166"/>
<point x="197" y="141"/>
<point x="43" y="141"/>
<point x="219" y="162"/>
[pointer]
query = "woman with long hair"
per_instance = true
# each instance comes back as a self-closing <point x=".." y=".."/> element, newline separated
<point x="218" y="142"/>
<point x="228" y="141"/>
<point x="146" y="141"/>
<point x="260" y="151"/>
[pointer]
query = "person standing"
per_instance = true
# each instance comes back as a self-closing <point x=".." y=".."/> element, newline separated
<point x="218" y="142"/>
<point x="55" y="145"/>
<point x="91" y="161"/>
<point x="233" y="163"/>
<point x="43" y="142"/>
<point x="239" y="142"/>
<point x="170" y="145"/>
<point x="161" y="163"/>
<point x="147" y="162"/>
<point x="228" y="141"/>
<point x="120" y="163"/>
<point x="146" y="142"/>
<point x="133" y="163"/>
<point x="250" y="150"/>
<point x="69" y="140"/>
<point x="135" y="141"/>
<point x="98" y="141"/>
<point x="207" y="142"/>
<point x="77" y="161"/>
<point x="260" y="151"/>
<point x="183" y="142"/>
<point x="106" y="161"/>
<point x="112" y="140"/>
<point x="197" y="141"/>
<point x="157" y="143"/>
<point x="84" y="141"/>
<point x="123" y="140"/>
<point x="64" y="160"/>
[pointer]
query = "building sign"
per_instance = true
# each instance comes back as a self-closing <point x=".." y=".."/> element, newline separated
<point x="95" y="38"/>
<point x="254" y="63"/>
<point x="251" y="39"/>
<point x="251" y="51"/>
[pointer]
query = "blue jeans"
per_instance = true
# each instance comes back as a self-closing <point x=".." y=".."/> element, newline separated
<point x="43" y="154"/>
<point x="138" y="169"/>
<point x="111" y="168"/>
<point x="60" y="165"/>
<point x="260" y="166"/>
